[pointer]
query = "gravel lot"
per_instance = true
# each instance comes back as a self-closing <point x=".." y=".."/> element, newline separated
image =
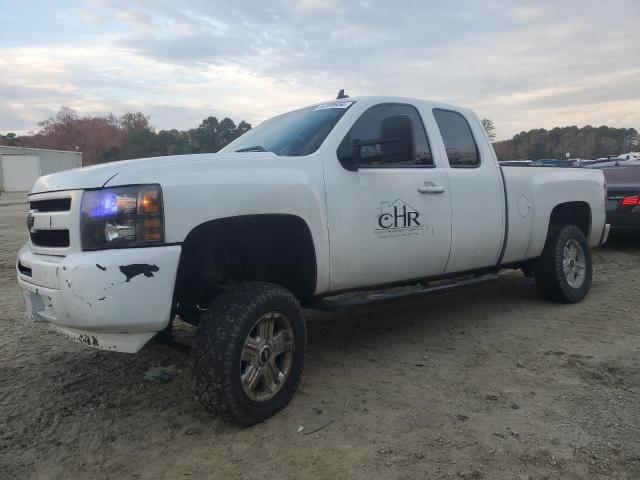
<point x="490" y="383"/>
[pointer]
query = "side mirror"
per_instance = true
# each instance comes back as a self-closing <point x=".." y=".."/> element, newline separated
<point x="349" y="155"/>
<point x="398" y="139"/>
<point x="395" y="144"/>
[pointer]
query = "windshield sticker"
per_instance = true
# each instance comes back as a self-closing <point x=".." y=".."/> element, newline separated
<point x="334" y="104"/>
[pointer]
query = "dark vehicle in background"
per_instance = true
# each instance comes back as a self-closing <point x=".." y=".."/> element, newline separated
<point x="554" y="162"/>
<point x="516" y="163"/>
<point x="623" y="194"/>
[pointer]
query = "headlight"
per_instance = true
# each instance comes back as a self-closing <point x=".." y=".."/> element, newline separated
<point x="122" y="217"/>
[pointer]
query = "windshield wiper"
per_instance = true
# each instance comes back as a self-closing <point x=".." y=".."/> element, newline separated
<point x="255" y="148"/>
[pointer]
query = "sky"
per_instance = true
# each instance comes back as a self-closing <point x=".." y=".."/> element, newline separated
<point x="523" y="64"/>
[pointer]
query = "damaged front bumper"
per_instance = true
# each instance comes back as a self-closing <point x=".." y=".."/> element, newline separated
<point x="110" y="299"/>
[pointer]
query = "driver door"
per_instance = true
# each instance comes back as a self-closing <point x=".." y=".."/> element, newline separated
<point x="388" y="204"/>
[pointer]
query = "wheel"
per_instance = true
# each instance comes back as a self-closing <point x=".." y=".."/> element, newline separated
<point x="248" y="353"/>
<point x="563" y="273"/>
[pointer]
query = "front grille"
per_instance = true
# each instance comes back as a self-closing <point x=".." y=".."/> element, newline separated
<point x="52" y="221"/>
<point x="50" y="238"/>
<point x="53" y="205"/>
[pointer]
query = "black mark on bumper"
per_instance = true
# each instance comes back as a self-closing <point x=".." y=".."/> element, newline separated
<point x="135" y="269"/>
<point x="87" y="340"/>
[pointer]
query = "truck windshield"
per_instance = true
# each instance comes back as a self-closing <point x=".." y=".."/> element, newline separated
<point x="292" y="134"/>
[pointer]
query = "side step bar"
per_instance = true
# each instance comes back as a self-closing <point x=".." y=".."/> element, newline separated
<point x="376" y="297"/>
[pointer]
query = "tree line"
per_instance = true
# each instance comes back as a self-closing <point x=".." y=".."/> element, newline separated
<point x="586" y="142"/>
<point x="108" y="138"/>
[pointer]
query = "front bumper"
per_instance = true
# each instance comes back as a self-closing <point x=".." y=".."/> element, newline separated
<point x="109" y="299"/>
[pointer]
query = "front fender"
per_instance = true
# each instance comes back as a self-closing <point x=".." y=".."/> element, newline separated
<point x="199" y="192"/>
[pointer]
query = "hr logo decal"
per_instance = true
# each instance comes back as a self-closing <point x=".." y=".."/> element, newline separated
<point x="398" y="219"/>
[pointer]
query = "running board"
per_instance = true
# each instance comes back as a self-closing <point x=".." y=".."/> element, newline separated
<point x="376" y="297"/>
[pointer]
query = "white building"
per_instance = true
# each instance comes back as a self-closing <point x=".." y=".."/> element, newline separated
<point x="20" y="167"/>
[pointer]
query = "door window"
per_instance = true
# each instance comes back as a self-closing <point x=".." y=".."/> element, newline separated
<point x="462" y="151"/>
<point x="388" y="135"/>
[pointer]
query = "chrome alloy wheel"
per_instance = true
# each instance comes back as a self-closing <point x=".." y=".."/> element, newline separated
<point x="574" y="263"/>
<point x="266" y="356"/>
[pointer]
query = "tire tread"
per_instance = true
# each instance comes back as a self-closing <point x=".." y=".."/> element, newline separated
<point x="548" y="272"/>
<point x="212" y="352"/>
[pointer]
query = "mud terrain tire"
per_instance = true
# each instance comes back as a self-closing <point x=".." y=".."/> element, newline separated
<point x="564" y="271"/>
<point x="232" y="346"/>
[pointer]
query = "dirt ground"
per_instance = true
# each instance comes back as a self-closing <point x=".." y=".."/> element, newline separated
<point x="490" y="383"/>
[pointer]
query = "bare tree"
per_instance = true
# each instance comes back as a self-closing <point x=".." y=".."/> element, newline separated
<point x="490" y="128"/>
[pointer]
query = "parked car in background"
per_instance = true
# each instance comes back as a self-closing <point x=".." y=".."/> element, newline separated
<point x="623" y="194"/>
<point x="516" y="163"/>
<point x="616" y="162"/>
<point x="547" y="162"/>
<point x="628" y="156"/>
<point x="581" y="162"/>
<point x="586" y="163"/>
<point x="554" y="162"/>
<point x="622" y="156"/>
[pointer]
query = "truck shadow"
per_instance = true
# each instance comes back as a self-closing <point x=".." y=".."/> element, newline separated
<point x="419" y="319"/>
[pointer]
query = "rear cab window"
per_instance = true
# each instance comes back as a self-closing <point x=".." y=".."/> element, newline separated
<point x="462" y="150"/>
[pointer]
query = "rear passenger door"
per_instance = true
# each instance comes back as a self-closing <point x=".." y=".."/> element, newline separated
<point x="477" y="195"/>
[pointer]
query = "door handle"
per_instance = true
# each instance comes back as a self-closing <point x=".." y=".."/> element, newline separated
<point x="430" y="188"/>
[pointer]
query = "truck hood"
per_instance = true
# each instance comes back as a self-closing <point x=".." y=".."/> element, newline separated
<point x="97" y="176"/>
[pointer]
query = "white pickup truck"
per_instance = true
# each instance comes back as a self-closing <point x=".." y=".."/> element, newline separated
<point x="351" y="194"/>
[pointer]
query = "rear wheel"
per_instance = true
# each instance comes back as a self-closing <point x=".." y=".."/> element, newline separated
<point x="563" y="273"/>
<point x="248" y="354"/>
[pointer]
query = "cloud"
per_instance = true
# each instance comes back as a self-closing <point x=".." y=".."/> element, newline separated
<point x="142" y="22"/>
<point x="175" y="96"/>
<point x="313" y="5"/>
<point x="526" y="12"/>
<point x="534" y="64"/>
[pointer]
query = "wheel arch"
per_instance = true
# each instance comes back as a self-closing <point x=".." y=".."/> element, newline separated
<point x="577" y="213"/>
<point x="276" y="248"/>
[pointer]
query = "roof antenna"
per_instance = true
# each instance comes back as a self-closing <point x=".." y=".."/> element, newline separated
<point x="341" y="94"/>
